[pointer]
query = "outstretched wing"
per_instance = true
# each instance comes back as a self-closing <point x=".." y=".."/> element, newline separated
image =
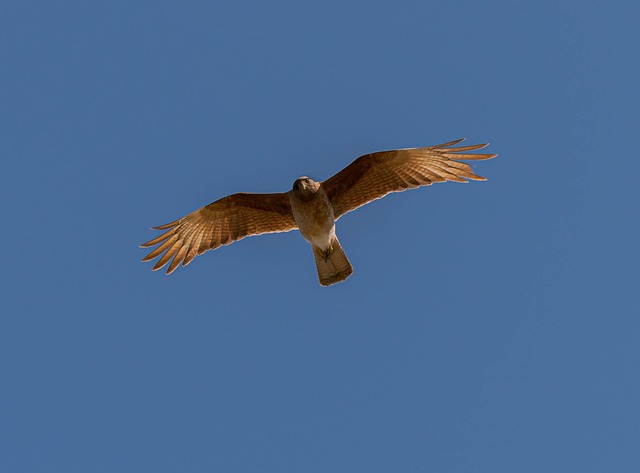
<point x="220" y="223"/>
<point x="375" y="175"/>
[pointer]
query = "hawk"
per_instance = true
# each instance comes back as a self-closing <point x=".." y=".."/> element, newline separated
<point x="312" y="207"/>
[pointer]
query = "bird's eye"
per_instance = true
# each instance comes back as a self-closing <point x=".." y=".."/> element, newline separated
<point x="306" y="179"/>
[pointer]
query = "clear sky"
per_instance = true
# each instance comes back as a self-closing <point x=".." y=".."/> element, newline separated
<point x="488" y="327"/>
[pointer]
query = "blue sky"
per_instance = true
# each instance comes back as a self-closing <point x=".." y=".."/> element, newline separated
<point x="488" y="327"/>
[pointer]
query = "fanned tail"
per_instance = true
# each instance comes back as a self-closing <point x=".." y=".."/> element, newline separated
<point x="333" y="265"/>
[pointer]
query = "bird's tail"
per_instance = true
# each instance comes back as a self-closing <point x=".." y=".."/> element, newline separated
<point x="333" y="265"/>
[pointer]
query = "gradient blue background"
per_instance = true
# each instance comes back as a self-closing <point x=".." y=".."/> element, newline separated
<point x="488" y="327"/>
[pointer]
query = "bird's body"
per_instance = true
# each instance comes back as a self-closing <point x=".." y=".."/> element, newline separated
<point x="313" y="213"/>
<point x="312" y="207"/>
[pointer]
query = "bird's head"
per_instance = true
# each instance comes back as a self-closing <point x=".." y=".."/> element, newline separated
<point x="305" y="184"/>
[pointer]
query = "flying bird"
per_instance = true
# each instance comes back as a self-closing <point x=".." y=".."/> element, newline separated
<point x="312" y="207"/>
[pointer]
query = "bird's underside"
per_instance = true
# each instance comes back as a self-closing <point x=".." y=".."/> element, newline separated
<point x="312" y="207"/>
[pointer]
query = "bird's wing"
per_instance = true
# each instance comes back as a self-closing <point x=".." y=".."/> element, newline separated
<point x="220" y="223"/>
<point x="375" y="175"/>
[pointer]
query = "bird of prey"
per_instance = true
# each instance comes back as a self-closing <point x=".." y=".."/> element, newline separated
<point x="312" y="207"/>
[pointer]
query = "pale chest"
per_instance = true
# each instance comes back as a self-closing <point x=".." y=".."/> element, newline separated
<point x="314" y="218"/>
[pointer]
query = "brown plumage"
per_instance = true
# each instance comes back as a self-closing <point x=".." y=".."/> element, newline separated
<point x="312" y="207"/>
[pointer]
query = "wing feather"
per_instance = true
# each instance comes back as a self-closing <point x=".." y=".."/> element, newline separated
<point x="157" y="240"/>
<point x="160" y="249"/>
<point x="375" y="175"/>
<point x="170" y="253"/>
<point x="222" y="222"/>
<point x="448" y="144"/>
<point x="178" y="258"/>
<point x="192" y="253"/>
